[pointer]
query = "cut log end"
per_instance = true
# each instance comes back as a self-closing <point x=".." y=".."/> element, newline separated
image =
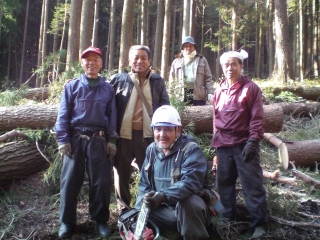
<point x="283" y="155"/>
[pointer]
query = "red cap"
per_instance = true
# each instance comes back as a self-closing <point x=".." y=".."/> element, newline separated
<point x="91" y="49"/>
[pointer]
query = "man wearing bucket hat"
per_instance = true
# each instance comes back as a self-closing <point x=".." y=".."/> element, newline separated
<point x="190" y="78"/>
<point x="172" y="177"/>
<point x="238" y="128"/>
<point x="86" y="132"/>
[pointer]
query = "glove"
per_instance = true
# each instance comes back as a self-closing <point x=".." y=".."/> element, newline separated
<point x="250" y="149"/>
<point x="65" y="149"/>
<point x="154" y="199"/>
<point x="111" y="150"/>
<point x="208" y="196"/>
<point x="210" y="97"/>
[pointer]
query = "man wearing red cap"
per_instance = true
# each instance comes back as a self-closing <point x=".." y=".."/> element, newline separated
<point x="86" y="132"/>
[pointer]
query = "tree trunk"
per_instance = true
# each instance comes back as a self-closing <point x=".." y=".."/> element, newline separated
<point x="235" y="25"/>
<point x="74" y="32"/>
<point x="283" y="52"/>
<point x="201" y="118"/>
<point x="64" y="24"/>
<point x="19" y="160"/>
<point x="126" y="32"/>
<point x="309" y="93"/>
<point x="28" y="116"/>
<point x="112" y="35"/>
<point x="41" y="116"/>
<point x="186" y="18"/>
<point x="166" y="40"/>
<point x="44" y="41"/>
<point x="300" y="109"/>
<point x="302" y="153"/>
<point x="39" y="63"/>
<point x="158" y="38"/>
<point x="36" y="93"/>
<point x="315" y="13"/>
<point x="24" y="41"/>
<point x="86" y="25"/>
<point x="143" y="39"/>
<point x="270" y="35"/>
<point x="95" y="29"/>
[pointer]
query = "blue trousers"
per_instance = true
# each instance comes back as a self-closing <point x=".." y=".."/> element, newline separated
<point x="89" y="155"/>
<point x="230" y="167"/>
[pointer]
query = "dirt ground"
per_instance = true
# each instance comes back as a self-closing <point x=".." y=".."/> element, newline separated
<point x="30" y="213"/>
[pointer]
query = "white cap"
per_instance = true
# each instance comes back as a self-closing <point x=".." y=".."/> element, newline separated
<point x="166" y="116"/>
<point x="231" y="54"/>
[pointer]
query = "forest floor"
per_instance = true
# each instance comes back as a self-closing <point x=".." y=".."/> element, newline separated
<point x="29" y="211"/>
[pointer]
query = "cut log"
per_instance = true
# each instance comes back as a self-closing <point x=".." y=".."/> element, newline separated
<point x="36" y="93"/>
<point x="276" y="177"/>
<point x="302" y="153"/>
<point x="27" y="116"/>
<point x="300" y="109"/>
<point x="202" y="118"/>
<point x="40" y="116"/>
<point x="19" y="160"/>
<point x="306" y="92"/>
<point x="306" y="178"/>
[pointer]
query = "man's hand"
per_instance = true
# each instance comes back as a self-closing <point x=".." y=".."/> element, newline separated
<point x="65" y="149"/>
<point x="154" y="199"/>
<point x="209" y="196"/>
<point x="210" y="97"/>
<point x="250" y="149"/>
<point x="111" y="150"/>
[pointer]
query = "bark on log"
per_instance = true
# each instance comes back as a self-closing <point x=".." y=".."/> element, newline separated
<point x="39" y="116"/>
<point x="300" y="109"/>
<point x="202" y="118"/>
<point x="36" y="93"/>
<point x="302" y="153"/>
<point x="306" y="178"/>
<point x="19" y="160"/>
<point x="275" y="176"/>
<point x="309" y="93"/>
<point x="27" y="116"/>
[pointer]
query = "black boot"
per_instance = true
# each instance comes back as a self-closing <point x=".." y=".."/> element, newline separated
<point x="66" y="230"/>
<point x="103" y="229"/>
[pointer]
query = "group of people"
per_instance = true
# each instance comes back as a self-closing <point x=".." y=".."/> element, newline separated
<point x="107" y="124"/>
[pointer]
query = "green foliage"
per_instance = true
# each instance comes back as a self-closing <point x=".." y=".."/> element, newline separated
<point x="11" y="9"/>
<point x="281" y="203"/>
<point x="56" y="25"/>
<point x="10" y="98"/>
<point x="74" y="70"/>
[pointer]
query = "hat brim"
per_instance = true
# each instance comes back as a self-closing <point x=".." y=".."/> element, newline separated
<point x="163" y="124"/>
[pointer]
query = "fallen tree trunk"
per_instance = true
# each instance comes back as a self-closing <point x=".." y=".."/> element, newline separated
<point x="27" y="116"/>
<point x="202" y="118"/>
<point x="305" y="177"/>
<point x="36" y="93"/>
<point x="19" y="160"/>
<point x="40" y="116"/>
<point x="276" y="177"/>
<point x="306" y="92"/>
<point x="300" y="109"/>
<point x="302" y="153"/>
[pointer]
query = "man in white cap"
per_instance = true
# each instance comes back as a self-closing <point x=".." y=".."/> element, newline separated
<point x="190" y="78"/>
<point x="238" y="128"/>
<point x="86" y="132"/>
<point x="172" y="178"/>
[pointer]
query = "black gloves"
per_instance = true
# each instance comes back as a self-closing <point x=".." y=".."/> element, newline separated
<point x="250" y="149"/>
<point x="154" y="199"/>
<point x="209" y="196"/>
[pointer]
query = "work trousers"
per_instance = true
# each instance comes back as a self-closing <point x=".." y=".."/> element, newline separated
<point x="230" y="166"/>
<point x="190" y="217"/>
<point x="90" y="155"/>
<point x="127" y="150"/>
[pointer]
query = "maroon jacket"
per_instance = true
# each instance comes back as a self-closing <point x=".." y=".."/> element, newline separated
<point x="238" y="113"/>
